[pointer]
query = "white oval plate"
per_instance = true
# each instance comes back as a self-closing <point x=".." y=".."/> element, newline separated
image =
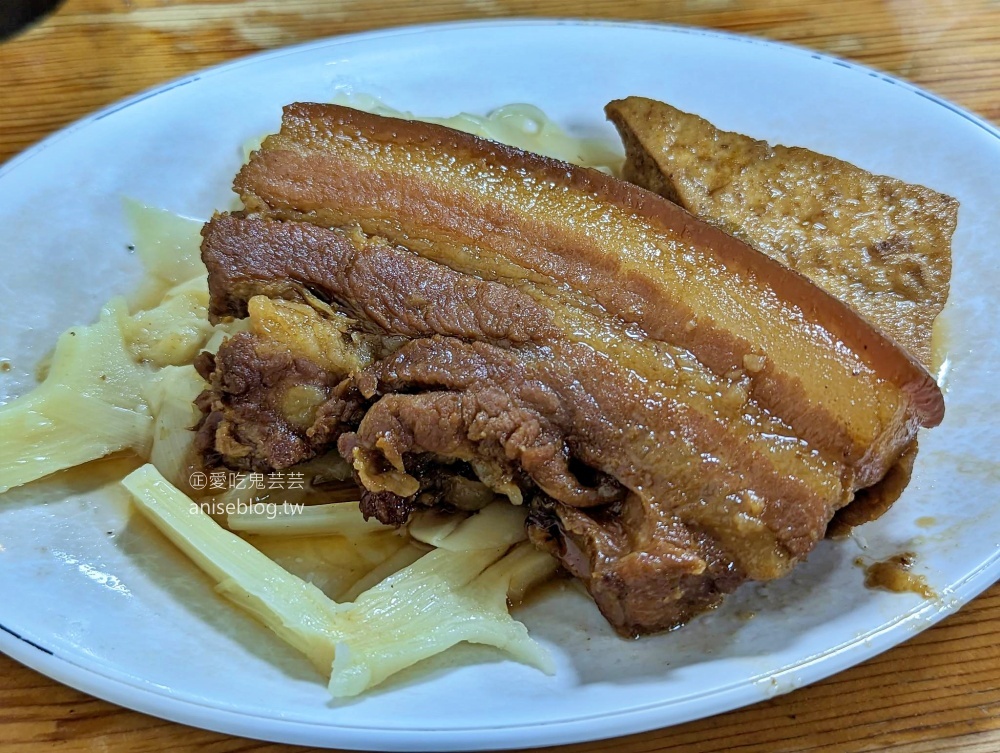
<point x="98" y="600"/>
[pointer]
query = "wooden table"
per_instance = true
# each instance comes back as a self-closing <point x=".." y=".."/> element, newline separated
<point x="938" y="692"/>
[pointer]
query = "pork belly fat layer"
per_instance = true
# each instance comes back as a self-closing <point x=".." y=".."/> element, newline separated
<point x="481" y="206"/>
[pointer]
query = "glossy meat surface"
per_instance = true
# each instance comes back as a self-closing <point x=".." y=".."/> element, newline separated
<point x="680" y="411"/>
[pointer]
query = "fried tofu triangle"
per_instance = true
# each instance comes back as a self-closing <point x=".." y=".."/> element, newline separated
<point x="879" y="244"/>
<point x="730" y="404"/>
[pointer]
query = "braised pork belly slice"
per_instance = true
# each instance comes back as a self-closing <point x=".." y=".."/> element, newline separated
<point x="499" y="212"/>
<point x="680" y="412"/>
<point x="660" y="392"/>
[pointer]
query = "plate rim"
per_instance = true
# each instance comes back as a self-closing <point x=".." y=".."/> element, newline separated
<point x="127" y="692"/>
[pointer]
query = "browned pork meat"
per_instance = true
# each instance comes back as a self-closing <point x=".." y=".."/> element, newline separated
<point x="393" y="289"/>
<point x="267" y="409"/>
<point x="680" y="412"/>
<point x="634" y="556"/>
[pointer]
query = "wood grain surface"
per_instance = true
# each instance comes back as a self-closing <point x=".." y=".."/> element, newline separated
<point x="938" y="692"/>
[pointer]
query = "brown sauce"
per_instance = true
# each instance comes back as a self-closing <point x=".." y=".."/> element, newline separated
<point x="94" y="474"/>
<point x="558" y="582"/>
<point x="893" y="574"/>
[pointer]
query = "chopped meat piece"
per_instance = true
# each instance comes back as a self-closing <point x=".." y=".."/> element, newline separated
<point x="386" y="507"/>
<point x="766" y="498"/>
<point x="267" y="410"/>
<point x="635" y="556"/>
<point x="440" y="485"/>
<point x="482" y="426"/>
